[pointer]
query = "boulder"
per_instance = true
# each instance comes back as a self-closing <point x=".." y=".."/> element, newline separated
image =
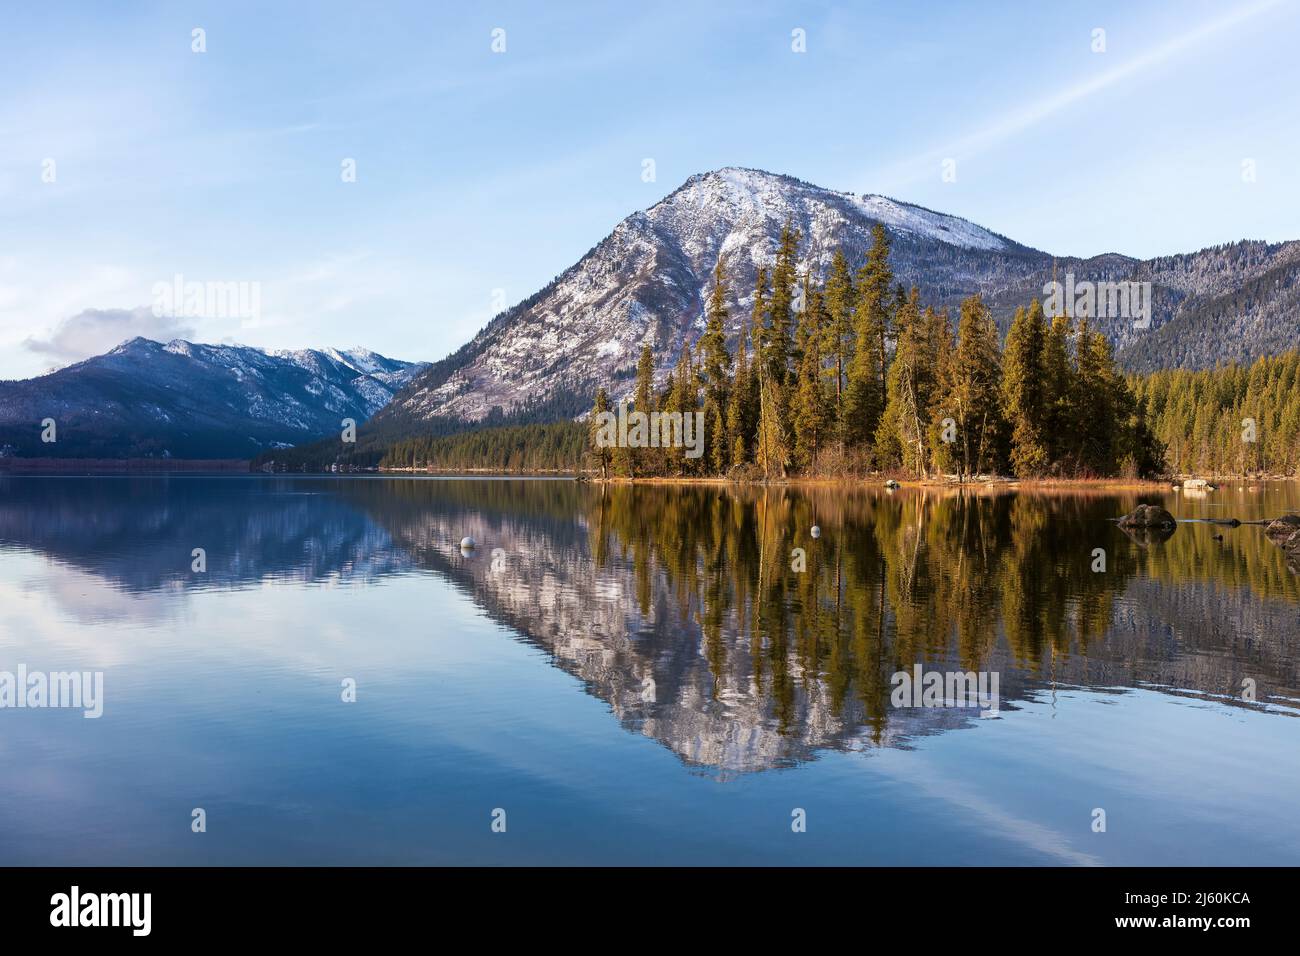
<point x="1148" y="516"/>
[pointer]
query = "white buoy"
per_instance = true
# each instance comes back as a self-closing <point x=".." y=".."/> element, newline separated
<point x="816" y="531"/>
<point x="467" y="543"/>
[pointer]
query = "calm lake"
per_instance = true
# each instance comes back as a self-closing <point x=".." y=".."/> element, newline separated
<point x="650" y="675"/>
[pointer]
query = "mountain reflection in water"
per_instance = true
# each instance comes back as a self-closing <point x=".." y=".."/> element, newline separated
<point x="680" y="609"/>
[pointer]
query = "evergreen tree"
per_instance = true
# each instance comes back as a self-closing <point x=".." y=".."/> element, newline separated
<point x="717" y="453"/>
<point x="771" y="356"/>
<point x="643" y="458"/>
<point x="839" y="331"/>
<point x="766" y="395"/>
<point x="1024" y="390"/>
<point x="771" y="449"/>
<point x="812" y="412"/>
<point x="865" y="397"/>
<point x="971" y="392"/>
<point x="1093" y="411"/>
<point x="777" y="319"/>
<point x="942" y="443"/>
<point x="684" y="400"/>
<point x="715" y="366"/>
<point x="741" y="408"/>
<point x="903" y="437"/>
<point x="1058" y="387"/>
<point x="602" y="456"/>
<point x="624" y="459"/>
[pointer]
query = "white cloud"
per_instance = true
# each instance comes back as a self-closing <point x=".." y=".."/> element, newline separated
<point x="95" y="331"/>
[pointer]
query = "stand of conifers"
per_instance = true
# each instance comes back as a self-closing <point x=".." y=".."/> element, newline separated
<point x="849" y="373"/>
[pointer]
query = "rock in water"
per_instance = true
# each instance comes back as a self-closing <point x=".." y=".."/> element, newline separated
<point x="1148" y="516"/>
<point x="891" y="484"/>
<point x="1281" y="529"/>
<point x="816" y="531"/>
<point x="467" y="543"/>
<point x="1285" y="533"/>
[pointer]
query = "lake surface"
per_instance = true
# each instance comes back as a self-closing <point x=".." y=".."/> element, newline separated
<point x="641" y="675"/>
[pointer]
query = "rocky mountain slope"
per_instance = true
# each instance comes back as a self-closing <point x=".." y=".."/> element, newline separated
<point x="648" y="280"/>
<point x="184" y="400"/>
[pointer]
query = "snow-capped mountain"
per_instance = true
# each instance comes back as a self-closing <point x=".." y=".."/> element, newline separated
<point x="186" y="400"/>
<point x="648" y="281"/>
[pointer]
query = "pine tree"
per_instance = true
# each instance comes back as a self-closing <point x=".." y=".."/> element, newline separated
<point x="839" y="331"/>
<point x="717" y="453"/>
<point x="1024" y="391"/>
<point x="903" y="437"/>
<point x="1093" y="411"/>
<point x="740" y="405"/>
<point x="971" y="392"/>
<point x="771" y="450"/>
<point x="942" y="443"/>
<point x="812" y="412"/>
<point x="624" y="459"/>
<point x="602" y="456"/>
<point x="1058" y="386"/>
<point x="776" y="323"/>
<point x="715" y="369"/>
<point x="770" y="352"/>
<point x="684" y="400"/>
<point x="644" y="457"/>
<point x="865" y="397"/>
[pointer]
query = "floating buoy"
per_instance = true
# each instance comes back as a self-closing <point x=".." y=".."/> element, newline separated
<point x="467" y="543"/>
<point x="816" y="531"/>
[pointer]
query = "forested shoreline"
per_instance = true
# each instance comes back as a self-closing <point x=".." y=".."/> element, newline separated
<point x="852" y="374"/>
<point x="848" y="374"/>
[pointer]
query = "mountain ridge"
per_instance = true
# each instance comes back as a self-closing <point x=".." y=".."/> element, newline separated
<point x="182" y="399"/>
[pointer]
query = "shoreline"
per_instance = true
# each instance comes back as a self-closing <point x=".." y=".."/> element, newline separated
<point x="108" y="466"/>
<point x="879" y="480"/>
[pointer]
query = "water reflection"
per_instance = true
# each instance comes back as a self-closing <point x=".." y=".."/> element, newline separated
<point x="682" y="608"/>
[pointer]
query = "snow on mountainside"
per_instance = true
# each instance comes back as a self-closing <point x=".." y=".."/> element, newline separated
<point x="748" y="198"/>
<point x="189" y="400"/>
<point x="648" y="280"/>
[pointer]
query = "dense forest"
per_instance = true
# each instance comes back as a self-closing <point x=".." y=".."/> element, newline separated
<point x="850" y="373"/>
<point x="1233" y="420"/>
<point x="558" y="446"/>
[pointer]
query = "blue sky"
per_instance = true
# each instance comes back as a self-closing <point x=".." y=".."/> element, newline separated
<point x="481" y="175"/>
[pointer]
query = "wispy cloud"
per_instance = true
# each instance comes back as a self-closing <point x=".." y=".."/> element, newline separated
<point x="1005" y="126"/>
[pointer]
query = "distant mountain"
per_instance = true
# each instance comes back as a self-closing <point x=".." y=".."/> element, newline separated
<point x="648" y="281"/>
<point x="184" y="400"/>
